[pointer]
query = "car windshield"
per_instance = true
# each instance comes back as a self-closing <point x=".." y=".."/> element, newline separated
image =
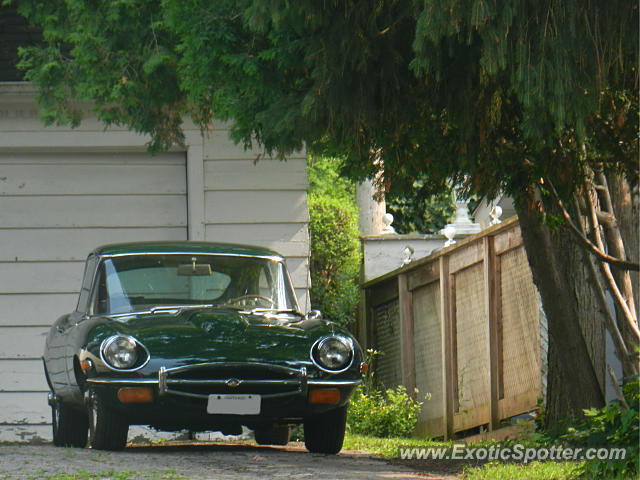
<point x="132" y="283"/>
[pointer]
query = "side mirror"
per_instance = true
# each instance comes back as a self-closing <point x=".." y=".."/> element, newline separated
<point x="314" y="315"/>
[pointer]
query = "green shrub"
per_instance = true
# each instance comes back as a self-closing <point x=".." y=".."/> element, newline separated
<point x="335" y="248"/>
<point x="418" y="209"/>
<point x="389" y="413"/>
<point x="378" y="412"/>
<point x="611" y="426"/>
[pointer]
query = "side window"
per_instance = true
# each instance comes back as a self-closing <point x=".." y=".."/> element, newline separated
<point x="264" y="283"/>
<point x="85" y="291"/>
<point x="98" y="296"/>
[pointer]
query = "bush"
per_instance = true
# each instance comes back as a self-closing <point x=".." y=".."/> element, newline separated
<point x="611" y="426"/>
<point x="335" y="248"/>
<point x="419" y="209"/>
<point x="389" y="413"/>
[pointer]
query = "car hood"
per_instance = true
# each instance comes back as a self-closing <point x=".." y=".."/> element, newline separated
<point x="218" y="335"/>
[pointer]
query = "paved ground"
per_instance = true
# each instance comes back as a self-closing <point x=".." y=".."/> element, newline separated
<point x="195" y="461"/>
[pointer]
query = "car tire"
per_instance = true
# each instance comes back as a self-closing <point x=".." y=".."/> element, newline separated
<point x="107" y="429"/>
<point x="70" y="426"/>
<point x="325" y="433"/>
<point x="274" y="435"/>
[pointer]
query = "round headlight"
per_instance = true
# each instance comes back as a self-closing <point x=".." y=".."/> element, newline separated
<point x="120" y="352"/>
<point x="333" y="353"/>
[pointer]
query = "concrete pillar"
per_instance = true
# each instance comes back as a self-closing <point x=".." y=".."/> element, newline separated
<point x="370" y="210"/>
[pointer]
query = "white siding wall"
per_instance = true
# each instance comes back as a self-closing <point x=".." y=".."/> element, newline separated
<point x="54" y="209"/>
<point x="64" y="192"/>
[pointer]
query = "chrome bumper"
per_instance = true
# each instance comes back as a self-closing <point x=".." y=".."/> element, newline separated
<point x="298" y="380"/>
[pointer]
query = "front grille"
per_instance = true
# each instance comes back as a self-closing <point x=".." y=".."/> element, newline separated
<point x="202" y="380"/>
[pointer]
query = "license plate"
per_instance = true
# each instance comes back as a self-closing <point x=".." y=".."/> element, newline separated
<point x="234" y="404"/>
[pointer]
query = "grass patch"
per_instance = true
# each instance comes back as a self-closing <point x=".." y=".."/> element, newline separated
<point x="530" y="471"/>
<point x="386" y="447"/>
<point x="470" y="470"/>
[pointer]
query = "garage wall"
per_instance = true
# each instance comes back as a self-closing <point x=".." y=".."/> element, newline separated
<point x="63" y="192"/>
<point x="55" y="208"/>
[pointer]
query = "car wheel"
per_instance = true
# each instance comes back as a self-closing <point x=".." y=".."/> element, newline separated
<point x="70" y="426"/>
<point x="325" y="433"/>
<point x="274" y="435"/>
<point x="107" y="429"/>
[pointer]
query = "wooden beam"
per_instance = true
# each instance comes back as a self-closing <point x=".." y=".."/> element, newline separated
<point x="195" y="192"/>
<point x="383" y="292"/>
<point x="507" y="240"/>
<point x="364" y="318"/>
<point x="494" y="316"/>
<point x="407" y="347"/>
<point x="449" y="379"/>
<point x="422" y="276"/>
<point x="465" y="256"/>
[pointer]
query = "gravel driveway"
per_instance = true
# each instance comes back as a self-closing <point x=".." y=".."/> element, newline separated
<point x="199" y="460"/>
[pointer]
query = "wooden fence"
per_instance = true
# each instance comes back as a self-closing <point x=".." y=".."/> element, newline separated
<point x="462" y="325"/>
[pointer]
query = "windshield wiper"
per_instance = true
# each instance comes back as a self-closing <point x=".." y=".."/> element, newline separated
<point x="262" y="311"/>
<point x="161" y="308"/>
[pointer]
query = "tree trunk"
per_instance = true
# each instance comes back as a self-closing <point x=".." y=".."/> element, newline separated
<point x="575" y="313"/>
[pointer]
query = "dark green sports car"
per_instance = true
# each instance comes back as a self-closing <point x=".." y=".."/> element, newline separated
<point x="196" y="336"/>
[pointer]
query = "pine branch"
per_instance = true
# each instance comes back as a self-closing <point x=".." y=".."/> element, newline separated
<point x="623" y="351"/>
<point x="632" y="321"/>
<point x="627" y="265"/>
<point x="616" y="244"/>
<point x="607" y="219"/>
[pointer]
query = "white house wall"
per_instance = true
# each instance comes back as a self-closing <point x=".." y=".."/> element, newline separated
<point x="54" y="208"/>
<point x="63" y="192"/>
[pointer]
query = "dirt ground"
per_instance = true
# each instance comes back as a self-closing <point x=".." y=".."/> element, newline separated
<point x="195" y="460"/>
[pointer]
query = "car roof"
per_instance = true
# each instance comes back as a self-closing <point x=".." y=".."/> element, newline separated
<point x="187" y="247"/>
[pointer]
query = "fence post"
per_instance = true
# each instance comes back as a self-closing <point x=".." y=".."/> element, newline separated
<point x="449" y="376"/>
<point x="407" y="346"/>
<point x="493" y="314"/>
<point x="363" y="318"/>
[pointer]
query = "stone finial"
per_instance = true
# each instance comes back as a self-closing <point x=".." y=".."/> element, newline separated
<point x="407" y="255"/>
<point x="387" y="220"/>
<point x="449" y="232"/>
<point x="495" y="214"/>
<point x="462" y="223"/>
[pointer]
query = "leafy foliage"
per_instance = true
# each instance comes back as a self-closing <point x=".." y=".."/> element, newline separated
<point x="612" y="426"/>
<point x="416" y="210"/>
<point x="389" y="413"/>
<point x="383" y="413"/>
<point x="493" y="95"/>
<point x="335" y="249"/>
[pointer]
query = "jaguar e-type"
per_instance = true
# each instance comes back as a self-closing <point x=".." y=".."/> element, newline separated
<point x="197" y="337"/>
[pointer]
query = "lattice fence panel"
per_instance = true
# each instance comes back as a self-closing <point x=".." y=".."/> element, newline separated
<point x="428" y="350"/>
<point x="520" y="326"/>
<point x="471" y="335"/>
<point x="386" y="318"/>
